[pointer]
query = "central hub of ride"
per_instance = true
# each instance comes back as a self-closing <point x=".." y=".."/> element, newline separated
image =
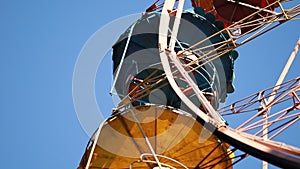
<point x="139" y="74"/>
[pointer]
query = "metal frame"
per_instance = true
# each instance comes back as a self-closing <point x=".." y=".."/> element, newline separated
<point x="261" y="26"/>
<point x="258" y="104"/>
<point x="278" y="154"/>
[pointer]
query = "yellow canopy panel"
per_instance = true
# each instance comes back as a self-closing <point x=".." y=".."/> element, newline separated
<point x="143" y="136"/>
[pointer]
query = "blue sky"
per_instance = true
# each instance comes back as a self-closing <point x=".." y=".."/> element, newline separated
<point x="40" y="41"/>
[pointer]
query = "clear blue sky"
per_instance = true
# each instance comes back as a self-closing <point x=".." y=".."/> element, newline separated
<point x="40" y="41"/>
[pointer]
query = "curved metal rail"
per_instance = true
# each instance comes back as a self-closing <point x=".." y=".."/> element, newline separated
<point x="273" y="152"/>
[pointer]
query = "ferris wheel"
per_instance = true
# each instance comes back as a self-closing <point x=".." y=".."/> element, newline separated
<point x="172" y="70"/>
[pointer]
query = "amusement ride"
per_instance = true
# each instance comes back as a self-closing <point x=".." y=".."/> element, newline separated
<point x="173" y="68"/>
